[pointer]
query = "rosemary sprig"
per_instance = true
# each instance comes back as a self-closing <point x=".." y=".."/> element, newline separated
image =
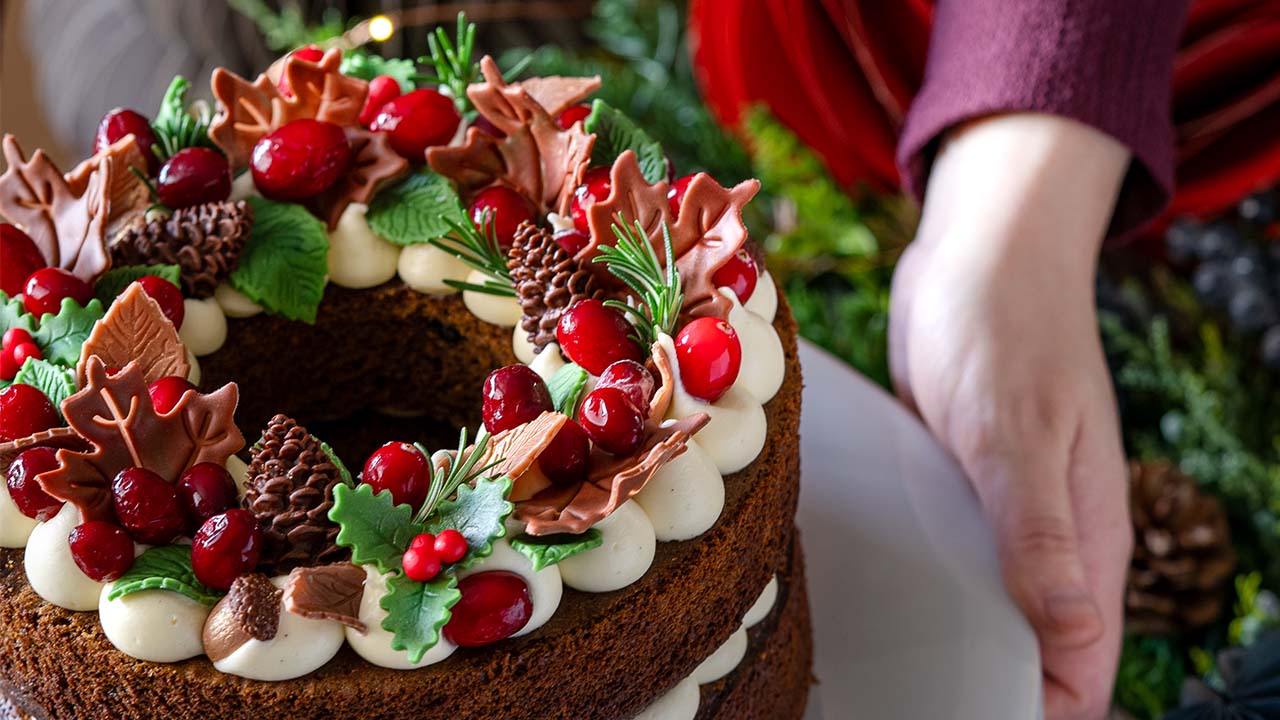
<point x="453" y="63"/>
<point x="178" y="126"/>
<point x="658" y="287"/>
<point x="479" y="251"/>
<point x="459" y="470"/>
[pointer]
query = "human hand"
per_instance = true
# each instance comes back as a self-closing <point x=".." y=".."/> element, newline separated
<point x="994" y="341"/>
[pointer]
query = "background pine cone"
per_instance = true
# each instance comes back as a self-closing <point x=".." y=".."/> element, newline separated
<point x="290" y="491"/>
<point x="204" y="241"/>
<point x="1182" y="556"/>
<point x="547" y="282"/>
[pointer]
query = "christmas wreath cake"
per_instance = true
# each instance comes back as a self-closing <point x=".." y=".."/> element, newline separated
<point x="341" y="248"/>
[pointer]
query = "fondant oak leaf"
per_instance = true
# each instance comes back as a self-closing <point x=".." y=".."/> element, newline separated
<point x="115" y="415"/>
<point x="128" y="197"/>
<point x="135" y="330"/>
<point x="536" y="158"/>
<point x="68" y="227"/>
<point x="373" y="165"/>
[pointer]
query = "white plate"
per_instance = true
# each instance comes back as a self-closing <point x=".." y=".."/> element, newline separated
<point x="911" y="619"/>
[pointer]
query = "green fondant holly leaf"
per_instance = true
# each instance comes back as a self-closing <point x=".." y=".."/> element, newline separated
<point x="547" y="550"/>
<point x="420" y="208"/>
<point x="337" y="462"/>
<point x="61" y="336"/>
<point x="616" y="133"/>
<point x="373" y="527"/>
<point x="417" y="611"/>
<point x="56" y="382"/>
<point x="365" y="65"/>
<point x="13" y="315"/>
<point x="285" y="263"/>
<point x="164" y="568"/>
<point x="117" y="279"/>
<point x="566" y="388"/>
<point x="479" y="513"/>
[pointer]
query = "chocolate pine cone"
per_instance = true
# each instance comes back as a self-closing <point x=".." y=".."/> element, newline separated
<point x="204" y="241"/>
<point x="1182" y="556"/>
<point x="290" y="491"/>
<point x="547" y="281"/>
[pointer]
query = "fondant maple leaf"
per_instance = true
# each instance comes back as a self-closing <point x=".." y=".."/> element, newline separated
<point x="536" y="158"/>
<point x="373" y="165"/>
<point x="68" y="227"/>
<point x="135" y="330"/>
<point x="115" y="415"/>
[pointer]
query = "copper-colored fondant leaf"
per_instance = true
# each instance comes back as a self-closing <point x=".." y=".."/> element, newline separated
<point x="556" y="94"/>
<point x="135" y="330"/>
<point x="59" y="437"/>
<point x="128" y="197"/>
<point x="69" y="228"/>
<point x="373" y="165"/>
<point x="634" y="199"/>
<point x="519" y="448"/>
<point x="328" y="592"/>
<point x="661" y="399"/>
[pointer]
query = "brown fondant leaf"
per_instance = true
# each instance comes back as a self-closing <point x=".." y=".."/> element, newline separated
<point x="557" y="94"/>
<point x="114" y="414"/>
<point x="249" y="611"/>
<point x="537" y="158"/>
<point x="135" y="330"/>
<point x="59" y="437"/>
<point x="328" y="592"/>
<point x="68" y="227"/>
<point x="128" y="197"/>
<point x="373" y="165"/>
<point x="661" y="399"/>
<point x="519" y="448"/>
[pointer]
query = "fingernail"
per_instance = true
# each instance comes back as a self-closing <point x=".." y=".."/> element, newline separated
<point x="1073" y="610"/>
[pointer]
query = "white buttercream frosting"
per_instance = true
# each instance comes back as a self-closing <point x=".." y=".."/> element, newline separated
<point x="500" y="310"/>
<point x="358" y="258"/>
<point x="301" y="646"/>
<point x="548" y="362"/>
<point x="204" y="325"/>
<point x="374" y="644"/>
<point x="15" y="527"/>
<point x="559" y="223"/>
<point x="764" y="299"/>
<point x="243" y="187"/>
<point x="425" y="268"/>
<point x="763" y="605"/>
<point x="724" y="659"/>
<point x="764" y="364"/>
<point x="153" y="625"/>
<point x="52" y="572"/>
<point x="521" y="346"/>
<point x="239" y="472"/>
<point x="681" y="703"/>
<point x="627" y="551"/>
<point x="235" y="303"/>
<point x="685" y="497"/>
<point x="546" y="586"/>
<point x="193" y="373"/>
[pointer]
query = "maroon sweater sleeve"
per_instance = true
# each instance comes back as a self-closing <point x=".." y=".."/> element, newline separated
<point x="1106" y="63"/>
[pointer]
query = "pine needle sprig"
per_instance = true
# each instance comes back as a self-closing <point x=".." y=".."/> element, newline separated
<point x="453" y="60"/>
<point x="479" y="251"/>
<point x="179" y="126"/>
<point x="656" y="285"/>
<point x="461" y="469"/>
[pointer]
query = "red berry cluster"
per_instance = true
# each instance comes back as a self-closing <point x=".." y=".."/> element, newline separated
<point x="16" y="347"/>
<point x="428" y="553"/>
<point x="515" y="395"/>
<point x="191" y="176"/>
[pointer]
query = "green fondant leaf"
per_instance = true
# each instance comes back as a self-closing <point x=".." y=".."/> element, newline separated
<point x="56" y="382"/>
<point x="164" y="568"/>
<point x="547" y="550"/>
<point x="373" y="527"/>
<point x="337" y="462"/>
<point x="479" y="513"/>
<point x="13" y="315"/>
<point x="416" y="210"/>
<point x="365" y="65"/>
<point x="416" y="612"/>
<point x="566" y="387"/>
<point x="61" y="336"/>
<point x="117" y="279"/>
<point x="285" y="261"/>
<point x="616" y="133"/>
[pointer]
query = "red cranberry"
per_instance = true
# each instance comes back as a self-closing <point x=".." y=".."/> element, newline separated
<point x="194" y="176"/>
<point x="401" y="468"/>
<point x="416" y="121"/>
<point x="575" y="114"/>
<point x="675" y="195"/>
<point x="101" y="550"/>
<point x="450" y="545"/>
<point x="300" y="160"/>
<point x="494" y="606"/>
<point x="739" y="274"/>
<point x="382" y="90"/>
<point x="225" y="547"/>
<point x="421" y="562"/>
<point x="486" y="126"/>
<point x="204" y="490"/>
<point x="19" y="257"/>
<point x="571" y="241"/>
<point x="612" y="421"/>
<point x="47" y="287"/>
<point x="710" y="356"/>
<point x="24" y="411"/>
<point x="595" y="336"/>
<point x="167" y="391"/>
<point x="633" y="379"/>
<point x="23" y="351"/>
<point x="147" y="506"/>
<point x="505" y="209"/>
<point x="595" y="187"/>
<point x="564" y="461"/>
<point x="8" y="366"/>
<point x="119" y="123"/>
<point x="13" y="337"/>
<point x="27" y="494"/>
<point x="514" y="395"/>
<point x="310" y="53"/>
<point x="167" y="295"/>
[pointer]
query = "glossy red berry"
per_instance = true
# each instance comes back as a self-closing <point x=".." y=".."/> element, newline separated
<point x="225" y="547"/>
<point x="595" y="336"/>
<point x="204" y="490"/>
<point x="612" y="421"/>
<point x="494" y="606"/>
<point x="423" y="540"/>
<point x="633" y="379"/>
<point x="24" y="351"/>
<point x="575" y="114"/>
<point x="121" y="122"/>
<point x="19" y="257"/>
<point x="147" y="506"/>
<point x="27" y="494"/>
<point x="571" y="241"/>
<point x="513" y="395"/>
<point x="564" y="461"/>
<point x="675" y="195"/>
<point x="8" y="366"/>
<point x="421" y="563"/>
<point x="382" y="90"/>
<point x="24" y="411"/>
<point x="595" y="187"/>
<point x="300" y="160"/>
<point x="501" y="209"/>
<point x="310" y="53"/>
<point x="450" y="545"/>
<point x="167" y="295"/>
<point x="102" y="550"/>
<point x="193" y="176"/>
<point x="709" y="355"/>
<point x="416" y="121"/>
<point x="401" y="468"/>
<point x="13" y="337"/>
<point x="739" y="274"/>
<point x="48" y="287"/>
<point x="167" y="391"/>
